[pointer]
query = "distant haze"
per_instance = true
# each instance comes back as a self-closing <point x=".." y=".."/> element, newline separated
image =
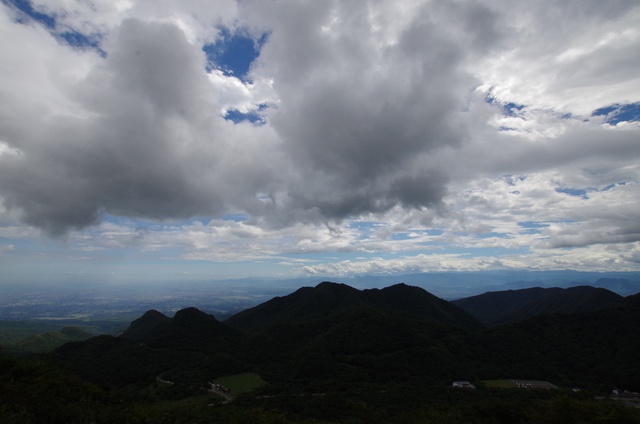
<point x="124" y="302"/>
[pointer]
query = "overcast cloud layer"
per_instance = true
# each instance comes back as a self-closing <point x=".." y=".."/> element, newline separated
<point x="388" y="136"/>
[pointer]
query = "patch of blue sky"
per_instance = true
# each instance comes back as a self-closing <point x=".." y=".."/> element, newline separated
<point x="482" y="252"/>
<point x="236" y="217"/>
<point x="511" y="109"/>
<point x="507" y="109"/>
<point x="584" y="193"/>
<point x="72" y="38"/>
<point x="32" y="15"/>
<point x="233" y="53"/>
<point x="82" y="41"/>
<point x="616" y="113"/>
<point x="532" y="227"/>
<point x="254" y="116"/>
<point x="577" y="192"/>
<point x="612" y="185"/>
<point x="365" y="228"/>
<point x="496" y="251"/>
<point x="494" y="235"/>
<point x="403" y="236"/>
<point x="412" y="234"/>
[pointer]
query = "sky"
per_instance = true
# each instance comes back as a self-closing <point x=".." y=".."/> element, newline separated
<point x="172" y="140"/>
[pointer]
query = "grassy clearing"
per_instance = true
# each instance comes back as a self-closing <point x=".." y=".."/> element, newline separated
<point x="241" y="383"/>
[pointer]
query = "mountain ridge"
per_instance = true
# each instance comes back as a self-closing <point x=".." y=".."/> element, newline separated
<point x="511" y="306"/>
<point x="329" y="298"/>
<point x="369" y="337"/>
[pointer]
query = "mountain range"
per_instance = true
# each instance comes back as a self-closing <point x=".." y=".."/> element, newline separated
<point x="332" y="353"/>
<point x="333" y="335"/>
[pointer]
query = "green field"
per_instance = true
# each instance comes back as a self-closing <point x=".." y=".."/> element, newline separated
<point x="241" y="383"/>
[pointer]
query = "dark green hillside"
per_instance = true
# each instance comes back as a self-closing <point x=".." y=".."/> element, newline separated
<point x="48" y="341"/>
<point x="14" y="331"/>
<point x="371" y="356"/>
<point x="192" y="346"/>
<point x="116" y="361"/>
<point x="37" y="392"/>
<point x="192" y="329"/>
<point x="597" y="348"/>
<point x="326" y="299"/>
<point x="357" y="346"/>
<point x="397" y="334"/>
<point x="149" y="326"/>
<point x="306" y="303"/>
<point x="417" y="302"/>
<point x="510" y="306"/>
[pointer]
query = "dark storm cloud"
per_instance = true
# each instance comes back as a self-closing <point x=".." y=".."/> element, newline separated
<point x="359" y="112"/>
<point x="133" y="153"/>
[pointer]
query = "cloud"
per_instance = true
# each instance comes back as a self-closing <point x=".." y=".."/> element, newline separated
<point x="148" y="142"/>
<point x="364" y="101"/>
<point x="598" y="259"/>
<point x="578" y="55"/>
<point x="438" y="124"/>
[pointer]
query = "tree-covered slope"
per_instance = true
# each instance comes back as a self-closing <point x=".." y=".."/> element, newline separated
<point x="510" y="306"/>
<point x="148" y="327"/>
<point x="48" y="341"/>
<point x="372" y="337"/>
<point x="597" y="348"/>
<point x="327" y="299"/>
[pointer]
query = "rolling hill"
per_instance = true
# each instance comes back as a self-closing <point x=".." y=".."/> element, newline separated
<point x="46" y="342"/>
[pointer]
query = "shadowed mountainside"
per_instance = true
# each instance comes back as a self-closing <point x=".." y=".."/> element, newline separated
<point x="328" y="299"/>
<point x="149" y="326"/>
<point x="333" y="336"/>
<point x="511" y="306"/>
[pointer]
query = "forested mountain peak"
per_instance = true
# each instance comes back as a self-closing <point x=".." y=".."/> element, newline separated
<point x="510" y="306"/>
<point x="148" y="326"/>
<point x="327" y="299"/>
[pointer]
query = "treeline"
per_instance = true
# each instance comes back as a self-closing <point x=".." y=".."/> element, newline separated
<point x="34" y="391"/>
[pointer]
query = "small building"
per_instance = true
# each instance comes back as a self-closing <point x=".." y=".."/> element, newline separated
<point x="534" y="384"/>
<point x="463" y="385"/>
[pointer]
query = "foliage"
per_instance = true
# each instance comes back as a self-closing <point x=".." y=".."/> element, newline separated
<point x="241" y="383"/>
<point x="511" y="306"/>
